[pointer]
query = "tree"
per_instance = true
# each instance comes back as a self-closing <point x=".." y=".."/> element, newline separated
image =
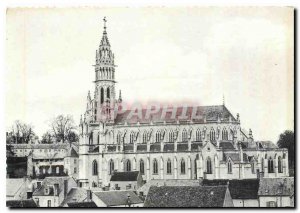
<point x="47" y="138"/>
<point x="287" y="140"/>
<point x="62" y="128"/>
<point x="20" y="133"/>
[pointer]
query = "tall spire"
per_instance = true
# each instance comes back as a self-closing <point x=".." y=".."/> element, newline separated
<point x="104" y="40"/>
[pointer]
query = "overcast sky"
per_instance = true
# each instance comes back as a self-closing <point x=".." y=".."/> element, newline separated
<point x="187" y="54"/>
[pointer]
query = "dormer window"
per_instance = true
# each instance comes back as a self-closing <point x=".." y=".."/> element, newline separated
<point x="46" y="191"/>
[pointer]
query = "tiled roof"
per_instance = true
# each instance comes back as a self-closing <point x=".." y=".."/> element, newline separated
<point x="276" y="186"/>
<point x="82" y="205"/>
<point x="125" y="176"/>
<point x="226" y="145"/>
<point x="75" y="195"/>
<point x="155" y="147"/>
<point x="186" y="196"/>
<point x="182" y="147"/>
<point x="249" y="187"/>
<point x="21" y="204"/>
<point x="117" y="198"/>
<point x="210" y="112"/>
<point x="141" y="147"/>
<point x="13" y="185"/>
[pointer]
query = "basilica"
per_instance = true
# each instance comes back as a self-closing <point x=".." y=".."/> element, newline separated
<point x="166" y="145"/>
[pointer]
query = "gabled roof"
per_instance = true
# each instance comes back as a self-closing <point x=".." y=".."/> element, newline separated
<point x="75" y="195"/>
<point x="21" y="204"/>
<point x="211" y="113"/>
<point x="49" y="182"/>
<point x="239" y="189"/>
<point x="73" y="152"/>
<point x="13" y="185"/>
<point x="125" y="176"/>
<point x="117" y="198"/>
<point x="186" y="196"/>
<point x="276" y="186"/>
<point x="82" y="205"/>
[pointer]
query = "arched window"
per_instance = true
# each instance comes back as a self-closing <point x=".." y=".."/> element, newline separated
<point x="131" y="137"/>
<point x="107" y="93"/>
<point x="155" y="167"/>
<point x="157" y="136"/>
<point x="280" y="169"/>
<point x="95" y="168"/>
<point x="145" y="137"/>
<point x="208" y="166"/>
<point x="224" y="134"/>
<point x="98" y="139"/>
<point x="111" y="166"/>
<point x="198" y="135"/>
<point x="253" y="167"/>
<point x="270" y="165"/>
<point x="195" y="168"/>
<point x="118" y="138"/>
<point x="212" y="134"/>
<point x="128" y="166"/>
<point x="142" y="167"/>
<point x="169" y="167"/>
<point x="229" y="167"/>
<point x="101" y="95"/>
<point x="262" y="165"/>
<point x="182" y="166"/>
<point x="171" y="136"/>
<point x="184" y="136"/>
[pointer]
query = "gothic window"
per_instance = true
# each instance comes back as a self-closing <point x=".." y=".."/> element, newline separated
<point x="98" y="139"/>
<point x="252" y="167"/>
<point x="101" y="95"/>
<point x="270" y="165"/>
<point x="111" y="166"/>
<point x="95" y="168"/>
<point x="262" y="165"/>
<point x="198" y="135"/>
<point x="157" y="136"/>
<point x="182" y="166"/>
<point x="145" y="137"/>
<point x="169" y="167"/>
<point x="118" y="138"/>
<point x="212" y="134"/>
<point x="280" y="170"/>
<point x="142" y="167"/>
<point x="195" y="168"/>
<point x="128" y="166"/>
<point x="224" y="134"/>
<point x="155" y="167"/>
<point x="171" y="136"/>
<point x="208" y="166"/>
<point x="184" y="136"/>
<point x="229" y="167"/>
<point x="107" y="93"/>
<point x="131" y="137"/>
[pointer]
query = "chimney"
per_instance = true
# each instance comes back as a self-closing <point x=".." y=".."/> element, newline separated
<point x="65" y="188"/>
<point x="56" y="188"/>
<point x="89" y="195"/>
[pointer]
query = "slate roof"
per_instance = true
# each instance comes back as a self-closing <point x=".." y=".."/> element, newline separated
<point x="125" y="176"/>
<point x="117" y="198"/>
<point x="73" y="152"/>
<point x="249" y="187"/>
<point x="275" y="186"/>
<point x="111" y="148"/>
<point x="49" y="182"/>
<point x="266" y="144"/>
<point x="185" y="196"/>
<point x="182" y="147"/>
<point x="75" y="195"/>
<point x="21" y="203"/>
<point x="13" y="185"/>
<point x="226" y="145"/>
<point x="210" y="112"/>
<point x="42" y="146"/>
<point x="128" y="147"/>
<point x="168" y="147"/>
<point x="82" y="205"/>
<point x="194" y="146"/>
<point x="235" y="157"/>
<point x="141" y="147"/>
<point x="155" y="147"/>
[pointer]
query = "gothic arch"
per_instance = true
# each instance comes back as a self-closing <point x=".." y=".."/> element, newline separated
<point x="184" y="136"/>
<point x="101" y="95"/>
<point x="95" y="168"/>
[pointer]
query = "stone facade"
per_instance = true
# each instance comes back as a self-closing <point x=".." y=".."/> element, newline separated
<point x="212" y="146"/>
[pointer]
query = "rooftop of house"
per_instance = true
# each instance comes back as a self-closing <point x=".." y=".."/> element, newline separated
<point x="249" y="187"/>
<point x="210" y="113"/>
<point x="117" y="198"/>
<point x="75" y="195"/>
<point x="49" y="182"/>
<point x="21" y="203"/>
<point x="82" y="205"/>
<point x="276" y="186"/>
<point x="13" y="185"/>
<point x="125" y="176"/>
<point x="42" y="146"/>
<point x="73" y="152"/>
<point x="186" y="196"/>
